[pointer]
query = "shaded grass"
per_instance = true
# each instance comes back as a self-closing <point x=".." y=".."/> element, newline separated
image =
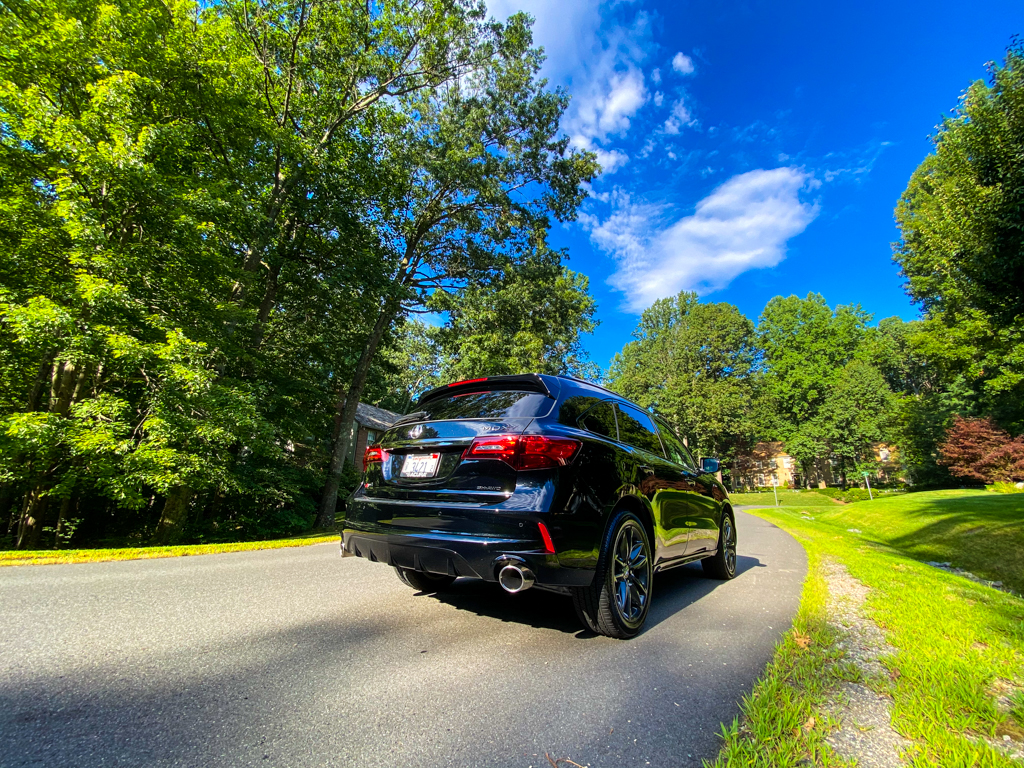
<point x="957" y="641"/>
<point x="53" y="557"/>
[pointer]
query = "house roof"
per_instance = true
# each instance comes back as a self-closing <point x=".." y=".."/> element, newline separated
<point x="375" y="418"/>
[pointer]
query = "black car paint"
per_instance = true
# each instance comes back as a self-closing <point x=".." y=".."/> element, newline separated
<point x="461" y="521"/>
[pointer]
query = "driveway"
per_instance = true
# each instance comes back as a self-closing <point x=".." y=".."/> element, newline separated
<point x="296" y="657"/>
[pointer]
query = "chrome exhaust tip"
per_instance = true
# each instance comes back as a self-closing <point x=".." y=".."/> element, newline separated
<point x="515" y="578"/>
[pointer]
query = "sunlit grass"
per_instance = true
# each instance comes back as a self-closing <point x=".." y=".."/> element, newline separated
<point x="786" y="499"/>
<point x="957" y="641"/>
<point x="53" y="557"/>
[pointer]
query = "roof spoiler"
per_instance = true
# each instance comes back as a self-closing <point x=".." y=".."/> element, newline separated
<point x="528" y="382"/>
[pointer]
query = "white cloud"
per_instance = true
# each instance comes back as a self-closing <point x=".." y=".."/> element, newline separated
<point x="682" y="63"/>
<point x="742" y="225"/>
<point x="599" y="58"/>
<point x="655" y="75"/>
<point x="658" y="98"/>
<point x="680" y="116"/>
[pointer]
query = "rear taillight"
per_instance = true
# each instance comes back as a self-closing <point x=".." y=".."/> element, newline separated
<point x="525" y="451"/>
<point x="501" y="447"/>
<point x="374" y="454"/>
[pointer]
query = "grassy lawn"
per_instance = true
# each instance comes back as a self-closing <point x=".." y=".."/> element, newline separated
<point x="52" y="557"/>
<point x="786" y="499"/>
<point x="958" y="643"/>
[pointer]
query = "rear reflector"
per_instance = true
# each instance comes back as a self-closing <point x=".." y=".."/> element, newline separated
<point x="549" y="545"/>
<point x="525" y="451"/>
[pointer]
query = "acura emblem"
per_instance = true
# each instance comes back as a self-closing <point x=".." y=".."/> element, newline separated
<point x="416" y="431"/>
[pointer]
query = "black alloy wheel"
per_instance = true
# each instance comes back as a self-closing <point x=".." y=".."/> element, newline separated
<point x="424" y="582"/>
<point x="722" y="565"/>
<point x="616" y="604"/>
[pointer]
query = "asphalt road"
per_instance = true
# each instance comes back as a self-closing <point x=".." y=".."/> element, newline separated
<point x="296" y="657"/>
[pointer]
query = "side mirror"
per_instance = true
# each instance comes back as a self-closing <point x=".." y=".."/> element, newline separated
<point x="709" y="466"/>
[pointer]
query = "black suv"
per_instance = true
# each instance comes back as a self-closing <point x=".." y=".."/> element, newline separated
<point x="543" y="481"/>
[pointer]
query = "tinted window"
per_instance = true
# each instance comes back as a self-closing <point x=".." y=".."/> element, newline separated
<point x="600" y="420"/>
<point x="637" y="429"/>
<point x="573" y="408"/>
<point x="501" y="404"/>
<point x="676" y="450"/>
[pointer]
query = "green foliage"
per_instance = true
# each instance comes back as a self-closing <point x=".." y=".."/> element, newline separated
<point x="693" y="363"/>
<point x="1004" y="488"/>
<point x="961" y="219"/>
<point x="211" y="217"/>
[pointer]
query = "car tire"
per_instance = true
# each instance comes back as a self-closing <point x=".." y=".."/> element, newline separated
<point x="617" y="602"/>
<point x="722" y="565"/>
<point x="423" y="582"/>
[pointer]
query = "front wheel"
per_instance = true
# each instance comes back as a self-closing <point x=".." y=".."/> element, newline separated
<point x="722" y="565"/>
<point x="423" y="582"/>
<point x="616" y="604"/>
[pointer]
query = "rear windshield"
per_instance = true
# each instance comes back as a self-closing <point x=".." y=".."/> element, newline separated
<point x="500" y="404"/>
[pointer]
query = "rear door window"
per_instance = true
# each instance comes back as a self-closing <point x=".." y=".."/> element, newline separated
<point x="637" y="429"/>
<point x="495" y="404"/>
<point x="676" y="450"/>
<point x="600" y="420"/>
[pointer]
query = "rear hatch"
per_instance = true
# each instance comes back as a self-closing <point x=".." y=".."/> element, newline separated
<point x="446" y="449"/>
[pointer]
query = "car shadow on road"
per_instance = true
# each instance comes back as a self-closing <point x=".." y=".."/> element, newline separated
<point x="674" y="590"/>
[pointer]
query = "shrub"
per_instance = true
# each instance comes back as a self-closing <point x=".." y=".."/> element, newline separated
<point x="1004" y="488"/>
<point x="976" y="449"/>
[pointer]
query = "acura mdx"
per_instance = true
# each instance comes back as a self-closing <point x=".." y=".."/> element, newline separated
<point x="540" y="481"/>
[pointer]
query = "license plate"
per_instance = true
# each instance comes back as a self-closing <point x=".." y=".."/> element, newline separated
<point x="421" y="464"/>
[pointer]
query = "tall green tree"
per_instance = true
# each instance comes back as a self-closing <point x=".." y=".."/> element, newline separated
<point x="806" y="347"/>
<point x="961" y="222"/>
<point x="694" y="363"/>
<point x="482" y="168"/>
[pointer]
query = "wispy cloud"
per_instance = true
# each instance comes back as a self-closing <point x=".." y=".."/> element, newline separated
<point x="680" y="117"/>
<point x="742" y="225"/>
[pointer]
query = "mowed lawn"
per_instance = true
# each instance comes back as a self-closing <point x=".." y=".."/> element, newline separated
<point x="957" y="676"/>
<point x="978" y="531"/>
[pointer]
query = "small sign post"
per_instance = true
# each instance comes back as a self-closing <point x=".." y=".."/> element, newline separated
<point x="867" y="482"/>
<point x="775" y="489"/>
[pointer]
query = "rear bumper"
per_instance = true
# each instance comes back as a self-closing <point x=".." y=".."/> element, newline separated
<point x="457" y="554"/>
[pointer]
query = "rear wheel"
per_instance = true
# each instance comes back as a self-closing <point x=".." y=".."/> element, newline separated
<point x="423" y="582"/>
<point x="616" y="604"/>
<point x="723" y="564"/>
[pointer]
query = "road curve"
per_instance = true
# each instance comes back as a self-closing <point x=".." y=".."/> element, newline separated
<point x="296" y="657"/>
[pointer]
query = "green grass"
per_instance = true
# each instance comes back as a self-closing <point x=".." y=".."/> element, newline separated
<point x="54" y="557"/>
<point x="786" y="499"/>
<point x="955" y="639"/>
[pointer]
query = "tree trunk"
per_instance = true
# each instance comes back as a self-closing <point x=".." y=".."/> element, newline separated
<point x="171" y="527"/>
<point x="62" y="517"/>
<point x="329" y="500"/>
<point x="31" y="526"/>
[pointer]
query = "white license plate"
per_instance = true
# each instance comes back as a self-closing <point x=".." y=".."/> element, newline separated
<point x="421" y="464"/>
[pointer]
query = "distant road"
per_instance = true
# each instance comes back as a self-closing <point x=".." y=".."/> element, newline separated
<point x="295" y="658"/>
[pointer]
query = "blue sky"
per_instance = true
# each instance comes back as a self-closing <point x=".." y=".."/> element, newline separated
<point x="753" y="149"/>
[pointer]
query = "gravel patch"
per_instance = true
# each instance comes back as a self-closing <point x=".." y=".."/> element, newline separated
<point x="866" y="733"/>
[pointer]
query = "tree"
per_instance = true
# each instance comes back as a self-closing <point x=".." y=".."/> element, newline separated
<point x="481" y="167"/>
<point x="806" y="347"/>
<point x="694" y="363"/>
<point x="530" y="319"/>
<point x="961" y="221"/>
<point x="855" y="415"/>
<point x="976" y="449"/>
